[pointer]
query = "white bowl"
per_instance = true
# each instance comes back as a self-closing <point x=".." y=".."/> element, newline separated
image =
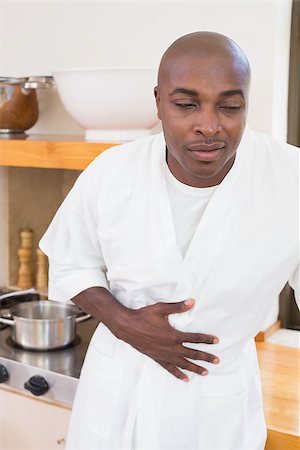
<point x="111" y="104"/>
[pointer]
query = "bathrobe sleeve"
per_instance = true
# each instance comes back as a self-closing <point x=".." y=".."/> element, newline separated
<point x="294" y="282"/>
<point x="71" y="241"/>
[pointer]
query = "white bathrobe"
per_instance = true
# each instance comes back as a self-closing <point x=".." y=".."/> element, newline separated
<point x="115" y="229"/>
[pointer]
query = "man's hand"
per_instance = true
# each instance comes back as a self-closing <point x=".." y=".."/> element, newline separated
<point x="148" y="330"/>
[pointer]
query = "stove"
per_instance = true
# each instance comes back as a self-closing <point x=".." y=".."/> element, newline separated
<point x="50" y="375"/>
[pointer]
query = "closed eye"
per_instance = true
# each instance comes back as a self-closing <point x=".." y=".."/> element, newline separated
<point x="231" y="108"/>
<point x="186" y="105"/>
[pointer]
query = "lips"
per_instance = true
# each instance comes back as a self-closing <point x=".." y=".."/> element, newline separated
<point x="206" y="147"/>
<point x="206" y="152"/>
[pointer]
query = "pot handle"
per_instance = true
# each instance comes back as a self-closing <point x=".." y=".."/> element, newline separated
<point x="7" y="321"/>
<point x="16" y="293"/>
<point x="82" y="318"/>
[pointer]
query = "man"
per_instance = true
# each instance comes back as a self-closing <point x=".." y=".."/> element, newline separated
<point x="179" y="244"/>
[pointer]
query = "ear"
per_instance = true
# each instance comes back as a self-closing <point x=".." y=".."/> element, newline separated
<point x="157" y="99"/>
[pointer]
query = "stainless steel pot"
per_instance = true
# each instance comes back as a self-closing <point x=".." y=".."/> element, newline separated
<point x="43" y="324"/>
<point x="18" y="102"/>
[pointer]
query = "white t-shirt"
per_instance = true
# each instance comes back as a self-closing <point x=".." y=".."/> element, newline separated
<point x="188" y="205"/>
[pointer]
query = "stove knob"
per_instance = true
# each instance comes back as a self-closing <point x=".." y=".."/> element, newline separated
<point x="37" y="385"/>
<point x="3" y="374"/>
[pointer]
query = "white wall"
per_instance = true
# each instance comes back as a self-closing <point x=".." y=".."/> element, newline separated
<point x="40" y="36"/>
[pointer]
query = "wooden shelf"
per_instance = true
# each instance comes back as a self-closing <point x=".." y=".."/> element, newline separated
<point x="49" y="151"/>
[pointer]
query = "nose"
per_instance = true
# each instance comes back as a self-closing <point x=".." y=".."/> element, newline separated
<point x="206" y="122"/>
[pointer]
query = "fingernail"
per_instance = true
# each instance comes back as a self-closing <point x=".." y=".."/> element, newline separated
<point x="185" y="379"/>
<point x="204" y="373"/>
<point x="215" y="341"/>
<point x="216" y="361"/>
<point x="189" y="301"/>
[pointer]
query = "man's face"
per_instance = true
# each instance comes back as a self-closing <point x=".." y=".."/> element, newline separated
<point x="202" y="105"/>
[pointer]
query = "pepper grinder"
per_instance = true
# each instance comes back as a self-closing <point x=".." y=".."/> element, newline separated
<point x="41" y="271"/>
<point x="25" y="274"/>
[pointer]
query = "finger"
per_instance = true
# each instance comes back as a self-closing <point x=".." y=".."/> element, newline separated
<point x="199" y="355"/>
<point x="187" y="365"/>
<point x="198" y="338"/>
<point x="174" y="371"/>
<point x="175" y="307"/>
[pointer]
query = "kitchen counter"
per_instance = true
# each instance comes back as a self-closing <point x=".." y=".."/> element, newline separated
<point x="280" y="370"/>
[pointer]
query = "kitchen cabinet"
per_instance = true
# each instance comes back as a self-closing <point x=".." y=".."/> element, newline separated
<point x="27" y="423"/>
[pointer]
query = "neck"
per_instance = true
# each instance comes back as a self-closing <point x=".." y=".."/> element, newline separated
<point x="197" y="180"/>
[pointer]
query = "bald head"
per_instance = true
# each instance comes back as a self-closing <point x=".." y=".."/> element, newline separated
<point x="207" y="45"/>
<point x="202" y="100"/>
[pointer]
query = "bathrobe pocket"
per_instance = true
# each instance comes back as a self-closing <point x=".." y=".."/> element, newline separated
<point x="101" y="379"/>
<point x="220" y="386"/>
<point x="207" y="413"/>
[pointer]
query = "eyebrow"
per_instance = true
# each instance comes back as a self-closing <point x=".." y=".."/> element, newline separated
<point x="232" y="92"/>
<point x="194" y="93"/>
<point x="180" y="90"/>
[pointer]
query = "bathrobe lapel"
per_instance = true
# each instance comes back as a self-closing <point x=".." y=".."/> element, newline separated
<point x="192" y="270"/>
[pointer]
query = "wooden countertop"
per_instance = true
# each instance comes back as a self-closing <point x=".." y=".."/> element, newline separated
<point x="280" y="370"/>
<point x="49" y="151"/>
